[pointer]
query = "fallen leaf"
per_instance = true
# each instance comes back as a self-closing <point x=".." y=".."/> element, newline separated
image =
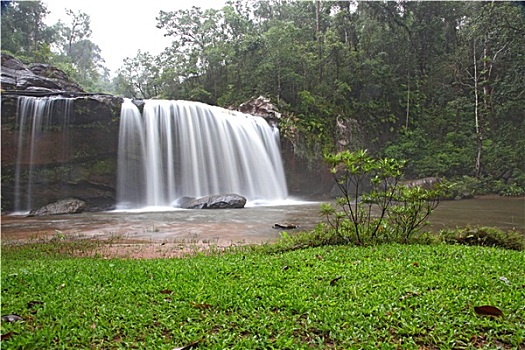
<point x="166" y="291"/>
<point x="416" y="264"/>
<point x="33" y="303"/>
<point x="93" y="326"/>
<point x="334" y="281"/>
<point x="409" y="294"/>
<point x="187" y="347"/>
<point x="6" y="336"/>
<point x="32" y="306"/>
<point x="478" y="341"/>
<point x="12" y="318"/>
<point x="320" y="257"/>
<point x="202" y="306"/>
<point x="488" y="310"/>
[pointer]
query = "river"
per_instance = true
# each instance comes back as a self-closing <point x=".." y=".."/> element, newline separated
<point x="238" y="226"/>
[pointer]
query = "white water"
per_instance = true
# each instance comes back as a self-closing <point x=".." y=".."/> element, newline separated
<point x="34" y="116"/>
<point x="180" y="148"/>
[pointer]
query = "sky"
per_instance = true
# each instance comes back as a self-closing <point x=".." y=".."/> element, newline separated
<point x="120" y="28"/>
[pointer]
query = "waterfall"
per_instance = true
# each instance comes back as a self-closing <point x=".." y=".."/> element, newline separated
<point x="36" y="116"/>
<point x="180" y="149"/>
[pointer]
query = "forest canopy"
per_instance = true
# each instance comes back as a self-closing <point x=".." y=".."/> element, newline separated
<point x="441" y="84"/>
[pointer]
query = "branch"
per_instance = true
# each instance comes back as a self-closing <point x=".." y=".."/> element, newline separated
<point x="494" y="58"/>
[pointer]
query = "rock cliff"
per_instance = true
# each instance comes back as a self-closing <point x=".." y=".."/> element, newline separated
<point x="77" y="160"/>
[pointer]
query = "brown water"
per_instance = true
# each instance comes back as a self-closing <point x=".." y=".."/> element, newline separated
<point x="505" y="213"/>
<point x="233" y="226"/>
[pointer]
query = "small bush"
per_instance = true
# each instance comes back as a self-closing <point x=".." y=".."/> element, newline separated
<point x="402" y="210"/>
<point x="322" y="235"/>
<point x="484" y="236"/>
<point x="512" y="191"/>
<point x="462" y="188"/>
<point x="468" y="187"/>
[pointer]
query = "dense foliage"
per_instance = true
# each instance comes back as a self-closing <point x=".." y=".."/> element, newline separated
<point x="65" y="45"/>
<point x="441" y="84"/>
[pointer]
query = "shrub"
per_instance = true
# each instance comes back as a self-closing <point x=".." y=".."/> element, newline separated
<point x="468" y="187"/>
<point x="512" y="191"/>
<point x="484" y="236"/>
<point x="402" y="210"/>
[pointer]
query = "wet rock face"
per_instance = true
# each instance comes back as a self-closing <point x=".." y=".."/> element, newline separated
<point x="219" y="201"/>
<point x="37" y="77"/>
<point x="75" y="151"/>
<point x="63" y="206"/>
<point x="261" y="107"/>
<point x="74" y="157"/>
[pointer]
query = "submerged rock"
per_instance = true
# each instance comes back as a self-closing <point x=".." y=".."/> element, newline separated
<point x="62" y="206"/>
<point x="218" y="201"/>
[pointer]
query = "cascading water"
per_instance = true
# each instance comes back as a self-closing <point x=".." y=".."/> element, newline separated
<point x="35" y="116"/>
<point x="188" y="149"/>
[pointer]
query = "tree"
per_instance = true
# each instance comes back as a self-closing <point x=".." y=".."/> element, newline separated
<point x="79" y="29"/>
<point x="494" y="42"/>
<point x="139" y="77"/>
<point x="77" y="54"/>
<point x="24" y="33"/>
<point x="194" y="31"/>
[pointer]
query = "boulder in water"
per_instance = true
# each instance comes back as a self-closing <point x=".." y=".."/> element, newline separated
<point x="182" y="202"/>
<point x="285" y="226"/>
<point x="62" y="206"/>
<point x="218" y="201"/>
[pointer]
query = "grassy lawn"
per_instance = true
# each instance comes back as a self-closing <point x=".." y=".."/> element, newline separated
<point x="386" y="297"/>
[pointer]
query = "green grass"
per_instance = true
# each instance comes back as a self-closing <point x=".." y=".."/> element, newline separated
<point x="377" y="297"/>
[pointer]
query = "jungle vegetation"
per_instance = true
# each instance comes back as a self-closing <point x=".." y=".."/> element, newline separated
<point x="440" y="84"/>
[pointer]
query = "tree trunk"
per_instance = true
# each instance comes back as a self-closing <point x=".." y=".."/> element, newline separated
<point x="279" y="84"/>
<point x="35" y="35"/>
<point x="319" y="38"/>
<point x="486" y="75"/>
<point x="479" y="134"/>
<point x="408" y="102"/>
